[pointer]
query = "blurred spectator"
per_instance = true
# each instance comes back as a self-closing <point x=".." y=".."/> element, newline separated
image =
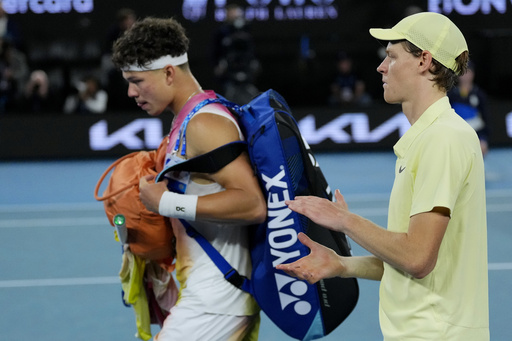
<point x="13" y="74"/>
<point x="470" y="102"/>
<point x="111" y="77"/>
<point x="347" y="87"/>
<point x="125" y="18"/>
<point x="412" y="9"/>
<point x="10" y="30"/>
<point x="235" y="62"/>
<point x="36" y="95"/>
<point x="89" y="98"/>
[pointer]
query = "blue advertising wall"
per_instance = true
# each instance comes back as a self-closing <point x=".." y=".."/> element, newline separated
<point x="115" y="134"/>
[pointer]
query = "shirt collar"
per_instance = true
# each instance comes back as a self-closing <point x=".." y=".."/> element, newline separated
<point x="424" y="121"/>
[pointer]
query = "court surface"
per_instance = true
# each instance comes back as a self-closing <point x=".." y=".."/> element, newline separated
<point x="58" y="274"/>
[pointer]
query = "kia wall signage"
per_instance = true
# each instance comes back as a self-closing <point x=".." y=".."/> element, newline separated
<point x="113" y="135"/>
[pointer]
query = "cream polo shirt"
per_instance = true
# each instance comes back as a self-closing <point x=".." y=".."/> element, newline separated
<point x="439" y="163"/>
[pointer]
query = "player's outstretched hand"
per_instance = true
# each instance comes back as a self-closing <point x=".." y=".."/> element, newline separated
<point x="321" y="263"/>
<point x="324" y="212"/>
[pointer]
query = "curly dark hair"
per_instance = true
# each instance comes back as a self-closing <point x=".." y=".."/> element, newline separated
<point x="150" y="39"/>
<point x="444" y="77"/>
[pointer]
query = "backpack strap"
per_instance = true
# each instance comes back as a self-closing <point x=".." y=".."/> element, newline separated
<point x="210" y="162"/>
<point x="182" y="139"/>
<point x="230" y="274"/>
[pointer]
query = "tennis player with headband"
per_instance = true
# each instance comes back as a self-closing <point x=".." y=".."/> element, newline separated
<point x="432" y="258"/>
<point x="152" y="55"/>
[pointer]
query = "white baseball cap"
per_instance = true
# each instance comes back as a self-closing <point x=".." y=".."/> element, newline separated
<point x="429" y="31"/>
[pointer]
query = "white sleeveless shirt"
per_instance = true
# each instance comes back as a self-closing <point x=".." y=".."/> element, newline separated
<point x="202" y="285"/>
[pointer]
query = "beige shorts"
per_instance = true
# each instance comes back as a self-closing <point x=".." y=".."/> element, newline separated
<point x="186" y="324"/>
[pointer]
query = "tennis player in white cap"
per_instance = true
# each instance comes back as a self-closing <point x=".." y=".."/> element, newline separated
<point x="432" y="258"/>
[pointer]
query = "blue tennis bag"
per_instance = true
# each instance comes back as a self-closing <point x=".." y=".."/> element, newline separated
<point x="286" y="168"/>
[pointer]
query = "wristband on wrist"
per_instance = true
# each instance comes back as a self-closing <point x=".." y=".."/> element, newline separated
<point x="182" y="206"/>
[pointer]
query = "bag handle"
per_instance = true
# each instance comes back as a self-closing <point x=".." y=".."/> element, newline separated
<point x="100" y="181"/>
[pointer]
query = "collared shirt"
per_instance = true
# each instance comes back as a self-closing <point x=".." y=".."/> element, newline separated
<point x="439" y="164"/>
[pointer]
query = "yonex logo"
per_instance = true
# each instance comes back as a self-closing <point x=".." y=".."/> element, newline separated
<point x="281" y="236"/>
<point x="282" y="239"/>
<point x="297" y="289"/>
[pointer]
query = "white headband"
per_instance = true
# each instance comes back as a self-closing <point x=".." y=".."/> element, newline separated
<point x="159" y="63"/>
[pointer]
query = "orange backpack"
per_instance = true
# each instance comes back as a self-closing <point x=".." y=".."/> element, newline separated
<point x="149" y="234"/>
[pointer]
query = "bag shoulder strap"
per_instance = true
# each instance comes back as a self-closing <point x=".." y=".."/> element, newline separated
<point x="181" y="138"/>
<point x="230" y="273"/>
<point x="210" y="162"/>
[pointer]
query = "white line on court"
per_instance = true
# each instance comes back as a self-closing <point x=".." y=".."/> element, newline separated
<point x="56" y="207"/>
<point x="27" y="283"/>
<point x="500" y="266"/>
<point x="103" y="221"/>
<point x="98" y="206"/>
<point x="53" y="222"/>
<point x="499" y="208"/>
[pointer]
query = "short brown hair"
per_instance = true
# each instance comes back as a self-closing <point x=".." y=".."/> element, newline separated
<point x="150" y="39"/>
<point x="444" y="77"/>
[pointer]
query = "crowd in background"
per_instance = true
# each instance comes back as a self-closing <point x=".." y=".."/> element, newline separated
<point x="100" y="88"/>
<point x="91" y="90"/>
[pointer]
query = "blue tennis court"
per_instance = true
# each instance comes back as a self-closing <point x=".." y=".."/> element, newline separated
<point x="58" y="275"/>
